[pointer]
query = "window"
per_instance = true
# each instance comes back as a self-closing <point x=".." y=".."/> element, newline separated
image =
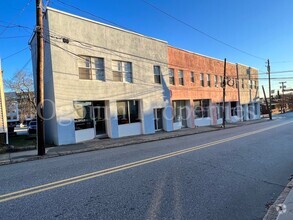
<point x="250" y="84"/>
<point x="128" y="112"/>
<point x="221" y="81"/>
<point x="157" y="74"/>
<point x="179" y="111"/>
<point x="216" y="80"/>
<point x="201" y="79"/>
<point x="91" y="68"/>
<point x="122" y="71"/>
<point x="255" y="86"/>
<point x="180" y="76"/>
<point x="237" y="83"/>
<point x="209" y="80"/>
<point x="234" y="109"/>
<point x="83" y="115"/>
<point x="192" y="77"/>
<point x="242" y="83"/>
<point x="171" y="77"/>
<point x="201" y="108"/>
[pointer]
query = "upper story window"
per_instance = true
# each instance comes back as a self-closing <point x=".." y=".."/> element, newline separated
<point x="242" y="83"/>
<point x="249" y="84"/>
<point x="122" y="71"/>
<point x="201" y="79"/>
<point x="209" y="80"/>
<point x="192" y="77"/>
<point x="255" y="86"/>
<point x="181" y="78"/>
<point x="91" y="68"/>
<point x="216" y="80"/>
<point x="157" y="74"/>
<point x="171" y="77"/>
<point x="221" y="81"/>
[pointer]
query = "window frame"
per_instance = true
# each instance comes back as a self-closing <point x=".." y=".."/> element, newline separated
<point x="181" y="77"/>
<point x="204" y="108"/>
<point x="171" y="78"/>
<point x="157" y="75"/>
<point x="216" y="81"/>
<point x="208" y="80"/>
<point x="91" y="68"/>
<point x="129" y="118"/>
<point x="122" y="72"/>
<point x="192" y="80"/>
<point x="201" y="79"/>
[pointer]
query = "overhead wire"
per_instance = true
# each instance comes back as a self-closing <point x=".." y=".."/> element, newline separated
<point x="11" y="55"/>
<point x="201" y="32"/>
<point x="19" y="13"/>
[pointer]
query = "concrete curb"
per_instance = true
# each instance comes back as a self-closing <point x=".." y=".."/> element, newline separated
<point x="272" y="213"/>
<point x="115" y="145"/>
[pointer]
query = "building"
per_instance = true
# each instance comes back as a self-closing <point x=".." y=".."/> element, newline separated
<point x="101" y="81"/>
<point x="19" y="107"/>
<point x="3" y="120"/>
<point x="248" y="92"/>
<point x="196" y="89"/>
<point x="12" y="110"/>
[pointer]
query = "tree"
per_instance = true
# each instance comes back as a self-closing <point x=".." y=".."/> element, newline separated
<point x="23" y="85"/>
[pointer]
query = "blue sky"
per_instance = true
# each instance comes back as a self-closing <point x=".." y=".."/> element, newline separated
<point x="262" y="28"/>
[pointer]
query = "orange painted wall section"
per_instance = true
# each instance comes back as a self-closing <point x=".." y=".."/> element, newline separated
<point x="190" y="62"/>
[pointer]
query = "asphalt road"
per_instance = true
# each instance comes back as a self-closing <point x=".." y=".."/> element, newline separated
<point x="227" y="174"/>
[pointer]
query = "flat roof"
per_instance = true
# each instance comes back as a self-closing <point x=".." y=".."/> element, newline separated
<point x="103" y="24"/>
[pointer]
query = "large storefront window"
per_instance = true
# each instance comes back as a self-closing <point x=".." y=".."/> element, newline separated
<point x="128" y="112"/>
<point x="83" y="115"/>
<point x="201" y="108"/>
<point x="179" y="111"/>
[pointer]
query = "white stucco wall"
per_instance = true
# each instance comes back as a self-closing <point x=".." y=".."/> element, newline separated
<point x="63" y="77"/>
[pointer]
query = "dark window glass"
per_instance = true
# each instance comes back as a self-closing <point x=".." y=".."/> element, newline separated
<point x="171" y="77"/>
<point x="157" y="74"/>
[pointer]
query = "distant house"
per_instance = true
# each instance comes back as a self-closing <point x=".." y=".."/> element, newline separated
<point x="18" y="107"/>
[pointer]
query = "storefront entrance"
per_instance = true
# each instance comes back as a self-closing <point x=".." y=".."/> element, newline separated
<point x="99" y="118"/>
<point x="158" y="119"/>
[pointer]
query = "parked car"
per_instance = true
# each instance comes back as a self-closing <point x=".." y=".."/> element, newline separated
<point x="32" y="127"/>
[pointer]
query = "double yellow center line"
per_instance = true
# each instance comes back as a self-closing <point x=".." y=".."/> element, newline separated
<point x="76" y="179"/>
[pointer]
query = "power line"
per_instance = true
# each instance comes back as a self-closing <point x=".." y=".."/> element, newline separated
<point x="13" y="37"/>
<point x="19" y="13"/>
<point x="15" y="53"/>
<point x="201" y="32"/>
<point x="93" y="15"/>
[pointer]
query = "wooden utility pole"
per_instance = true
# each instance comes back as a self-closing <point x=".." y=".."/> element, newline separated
<point x="224" y="95"/>
<point x="270" y="96"/>
<point x="40" y="79"/>
<point x="266" y="100"/>
<point x="283" y="97"/>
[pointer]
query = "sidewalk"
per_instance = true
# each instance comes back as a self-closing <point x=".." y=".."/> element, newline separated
<point x="97" y="144"/>
<point x="282" y="209"/>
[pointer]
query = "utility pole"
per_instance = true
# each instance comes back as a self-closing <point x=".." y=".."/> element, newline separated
<point x="270" y="96"/>
<point x="264" y="93"/>
<point x="40" y="79"/>
<point x="224" y="95"/>
<point x="283" y="97"/>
